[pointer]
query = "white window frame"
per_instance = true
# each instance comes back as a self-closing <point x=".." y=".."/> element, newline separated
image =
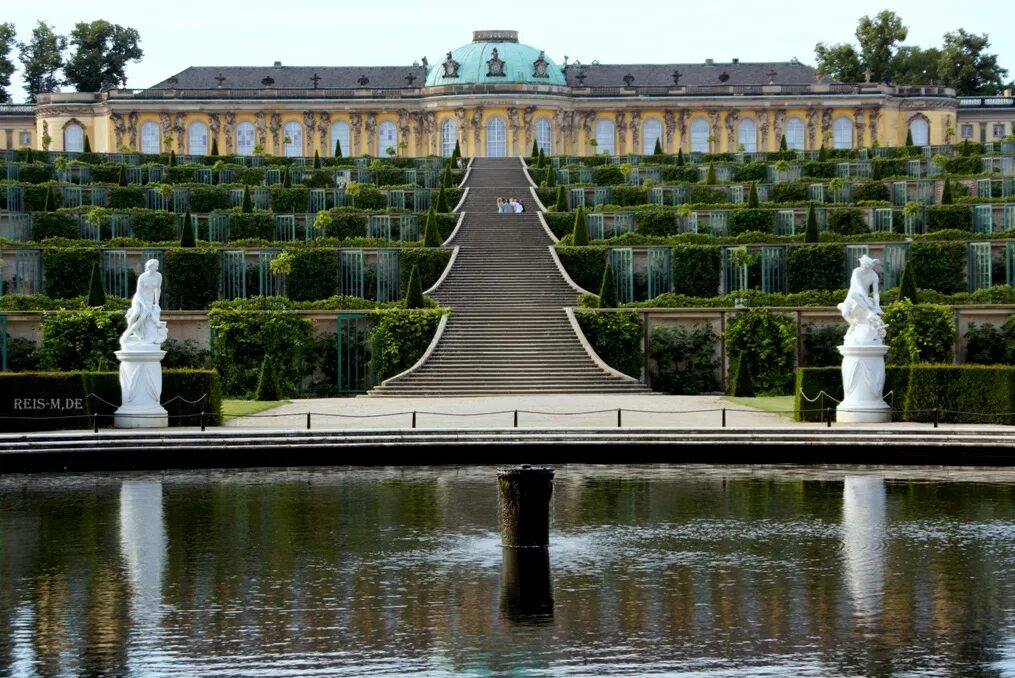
<point x="197" y="138"/>
<point x="651" y="132"/>
<point x="999" y="130"/>
<point x="699" y="136"/>
<point x="74" y="138"/>
<point x="544" y="135"/>
<point x="246" y="138"/>
<point x="966" y="130"/>
<point x="340" y="132"/>
<point x="25" y="138"/>
<point x="151" y="138"/>
<point x="920" y="130"/>
<point x="390" y="130"/>
<point x="794" y="132"/>
<point x="293" y="130"/>
<point x="842" y="132"/>
<point x="449" y="136"/>
<point x="496" y="137"/>
<point x="606" y="137"/>
<point x="747" y="135"/>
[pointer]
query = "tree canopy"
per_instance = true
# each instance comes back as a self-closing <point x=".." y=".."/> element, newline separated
<point x="102" y="51"/>
<point x="41" y="58"/>
<point x="6" y="65"/>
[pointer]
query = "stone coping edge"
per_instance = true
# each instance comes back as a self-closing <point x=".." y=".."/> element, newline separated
<point x="458" y="225"/>
<point x="560" y="267"/>
<point x="461" y="201"/>
<point x="447" y="270"/>
<point x="539" y="203"/>
<point x="426" y="354"/>
<point x="525" y="170"/>
<point x="591" y="351"/>
<point x="468" y="170"/>
<point x="542" y="222"/>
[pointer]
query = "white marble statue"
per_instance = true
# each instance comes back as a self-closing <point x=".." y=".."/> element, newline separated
<point x="863" y="310"/>
<point x="145" y="328"/>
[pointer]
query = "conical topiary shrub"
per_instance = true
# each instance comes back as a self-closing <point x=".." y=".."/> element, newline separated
<point x="561" y="203"/>
<point x="287" y="178"/>
<point x="946" y="192"/>
<point x="247" y="206"/>
<point x="909" y="137"/>
<point x="551" y="178"/>
<point x="187" y="234"/>
<point x="580" y="232"/>
<point x="431" y="234"/>
<point x="172" y="159"/>
<point x="442" y="201"/>
<point x="741" y="384"/>
<point x="338" y="148"/>
<point x="414" y="291"/>
<point x="535" y="149"/>
<point x="121" y="176"/>
<point x="87" y="148"/>
<point x="542" y="158"/>
<point x="659" y="148"/>
<point x="317" y="159"/>
<point x="50" y="204"/>
<point x="811" y="234"/>
<point x="457" y="153"/>
<point x="608" y="290"/>
<point x="268" y="387"/>
<point x="782" y="143"/>
<point x="96" y="293"/>
<point x="214" y="148"/>
<point x="710" y="178"/>
<point x="752" y="196"/>
<point x="680" y="157"/>
<point x="822" y="153"/>
<point x="907" y="286"/>
<point x="447" y="181"/>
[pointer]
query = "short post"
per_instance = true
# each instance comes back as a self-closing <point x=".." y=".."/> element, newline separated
<point x="516" y="418"/>
<point x="937" y="416"/>
<point x="308" y="421"/>
<point x="828" y="417"/>
<point x="525" y="494"/>
<point x="95" y="422"/>
<point x="414" y="418"/>
<point x="618" y="417"/>
<point x="724" y="417"/>
<point x="202" y="421"/>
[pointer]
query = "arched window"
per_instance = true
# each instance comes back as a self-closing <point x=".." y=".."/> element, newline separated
<point x="387" y="137"/>
<point x="699" y="136"/>
<point x="294" y="132"/>
<point x="340" y="138"/>
<point x="496" y="138"/>
<point x="920" y="131"/>
<point x="795" y="134"/>
<point x="544" y="136"/>
<point x="842" y="133"/>
<point x="150" y="141"/>
<point x="605" y="138"/>
<point x="449" y="136"/>
<point x="747" y="135"/>
<point x="650" y="134"/>
<point x="245" y="138"/>
<point x="197" y="137"/>
<point x="74" y="138"/>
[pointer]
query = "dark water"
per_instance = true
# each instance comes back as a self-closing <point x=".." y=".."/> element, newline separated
<point x="652" y="571"/>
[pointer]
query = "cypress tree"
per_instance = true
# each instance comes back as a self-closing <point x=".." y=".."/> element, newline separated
<point x="909" y="137"/>
<point x="710" y="178"/>
<point x="317" y="159"/>
<point x="680" y="157"/>
<point x="214" y="148"/>
<point x="338" y="148"/>
<point x="608" y="290"/>
<point x="50" y="205"/>
<point x="551" y="178"/>
<point x="187" y="236"/>
<point x="542" y="158"/>
<point x="580" y="232"/>
<point x="442" y="201"/>
<point x="741" y="384"/>
<point x="752" y="197"/>
<point x="811" y="234"/>
<point x="287" y="179"/>
<point x="907" y="286"/>
<point x="535" y="149"/>
<point x="28" y="155"/>
<point x="659" y="148"/>
<point x="172" y="158"/>
<point x="822" y="153"/>
<point x="946" y="192"/>
<point x="121" y="176"/>
<point x="248" y="205"/>
<point x="457" y="153"/>
<point x="96" y="294"/>
<point x="414" y="291"/>
<point x="782" y="143"/>
<point x="88" y="145"/>
<point x="267" y="381"/>
<point x="431" y="235"/>
<point x="561" y="204"/>
<point x="446" y="180"/>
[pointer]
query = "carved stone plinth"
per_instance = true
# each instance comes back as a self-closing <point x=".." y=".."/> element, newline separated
<point x="141" y="389"/>
<point x="863" y="383"/>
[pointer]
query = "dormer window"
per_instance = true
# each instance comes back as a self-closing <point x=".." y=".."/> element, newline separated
<point x="540" y="65"/>
<point x="495" y="67"/>
<point x="268" y="82"/>
<point x="450" y="67"/>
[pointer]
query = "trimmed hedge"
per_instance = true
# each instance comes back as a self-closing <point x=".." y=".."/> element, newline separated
<point x="697" y="270"/>
<point x="847" y="221"/>
<point x="941" y="217"/>
<point x="940" y="266"/>
<point x="244" y="338"/>
<point x="767" y="341"/>
<point x="192" y="278"/>
<point x="744" y="220"/>
<point x="814" y="267"/>
<point x="616" y="339"/>
<point x="314" y="274"/>
<point x="919" y="333"/>
<point x="244" y="225"/>
<point x="429" y="263"/>
<point x="811" y="381"/>
<point x="68" y="270"/>
<point x="400" y="338"/>
<point x="153" y="225"/>
<point x="85" y="339"/>
<point x="585" y="265"/>
<point x="54" y="225"/>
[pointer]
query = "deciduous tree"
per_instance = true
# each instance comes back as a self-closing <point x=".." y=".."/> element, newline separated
<point x="101" y="53"/>
<point x="41" y="58"/>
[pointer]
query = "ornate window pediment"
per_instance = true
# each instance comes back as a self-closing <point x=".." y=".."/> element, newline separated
<point x="540" y="65"/>
<point x="494" y="67"/>
<point x="450" y="67"/>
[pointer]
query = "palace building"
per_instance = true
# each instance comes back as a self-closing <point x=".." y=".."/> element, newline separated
<point x="493" y="96"/>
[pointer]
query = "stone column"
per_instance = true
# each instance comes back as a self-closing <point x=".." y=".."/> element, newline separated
<point x="141" y="390"/>
<point x="863" y="383"/>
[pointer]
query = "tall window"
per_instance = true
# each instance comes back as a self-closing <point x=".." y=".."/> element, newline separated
<point x="699" y="135"/>
<point x="73" y="138"/>
<point x="197" y="136"/>
<point x="245" y="138"/>
<point x="496" y="138"/>
<point x="387" y="137"/>
<point x="795" y="134"/>
<point x="747" y="135"/>
<point x="842" y="133"/>
<point x="650" y="134"/>
<point x="998" y="130"/>
<point x="449" y="135"/>
<point x="605" y="141"/>
<point x="544" y="136"/>
<point x="966" y="131"/>
<point x="294" y="132"/>
<point x="920" y="131"/>
<point x="150" y="142"/>
<point x="340" y="137"/>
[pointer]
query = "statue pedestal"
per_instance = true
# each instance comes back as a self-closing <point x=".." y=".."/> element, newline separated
<point x="141" y="389"/>
<point x="863" y="383"/>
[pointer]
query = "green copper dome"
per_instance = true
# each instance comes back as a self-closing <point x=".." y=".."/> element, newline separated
<point x="495" y="57"/>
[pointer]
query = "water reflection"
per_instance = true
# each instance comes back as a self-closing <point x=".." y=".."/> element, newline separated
<point x="396" y="571"/>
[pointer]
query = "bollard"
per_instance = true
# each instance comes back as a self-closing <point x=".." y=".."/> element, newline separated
<point x="937" y="416"/>
<point x="618" y="417"/>
<point x="724" y="417"/>
<point x="95" y="423"/>
<point x="414" y="418"/>
<point x="202" y="421"/>
<point x="516" y="418"/>
<point x="828" y="417"/>
<point x="525" y="494"/>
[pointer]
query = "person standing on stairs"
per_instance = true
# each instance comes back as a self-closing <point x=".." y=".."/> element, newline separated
<point x="517" y="205"/>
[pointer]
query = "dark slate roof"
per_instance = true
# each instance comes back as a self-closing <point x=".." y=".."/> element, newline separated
<point x="691" y="75"/>
<point x="293" y="77"/>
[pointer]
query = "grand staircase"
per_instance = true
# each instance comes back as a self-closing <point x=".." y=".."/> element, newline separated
<point x="509" y="333"/>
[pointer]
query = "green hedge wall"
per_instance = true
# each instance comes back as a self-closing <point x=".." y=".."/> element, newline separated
<point x="400" y="338"/>
<point x="257" y="224"/>
<point x="68" y="270"/>
<point x="939" y="266"/>
<point x="940" y="217"/>
<point x="243" y="338"/>
<point x="153" y="225"/>
<point x="430" y="263"/>
<point x="743" y="220"/>
<point x="585" y="265"/>
<point x="85" y="339"/>
<point x="125" y="197"/>
<point x="697" y="270"/>
<point x="814" y="267"/>
<point x="616" y="338"/>
<point x="847" y="221"/>
<point x="811" y="381"/>
<point x="654" y="221"/>
<point x="192" y="278"/>
<point x="314" y="274"/>
<point x="54" y="225"/>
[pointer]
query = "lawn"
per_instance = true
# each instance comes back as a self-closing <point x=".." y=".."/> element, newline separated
<point x="778" y="404"/>
<point x="239" y="408"/>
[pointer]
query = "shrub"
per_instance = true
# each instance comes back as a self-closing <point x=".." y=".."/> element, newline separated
<point x="757" y="220"/>
<point x="847" y="221"/>
<point x="290" y="200"/>
<point x="907" y="286"/>
<point x="741" y="385"/>
<point x="414" y="291"/>
<point x="655" y="221"/>
<point x="431" y="237"/>
<point x="314" y="274"/>
<point x="708" y="196"/>
<point x="811" y="232"/>
<point x="787" y="192"/>
<point x="679" y="173"/>
<point x="684" y="359"/>
<point x="752" y="171"/>
<point x="627" y="196"/>
<point x="562" y="223"/>
<point x="942" y="265"/>
<point x="768" y="341"/>
<point x="191" y="278"/>
<point x="919" y="333"/>
<point x="429" y="262"/>
<point x="400" y="338"/>
<point x="585" y="265"/>
<point x="68" y="270"/>
<point x="153" y="225"/>
<point x="204" y="199"/>
<point x="369" y="198"/>
<point x="987" y="345"/>
<point x="54" y="225"/>
<point x="247" y="225"/>
<point x="946" y="192"/>
<point x="608" y="289"/>
<point x="243" y="339"/>
<point x="870" y="190"/>
<point x="814" y="267"/>
<point x="819" y="169"/>
<point x="941" y="217"/>
<point x="86" y="339"/>
<point x="696" y="270"/>
<point x="960" y="394"/>
<point x="187" y="238"/>
<point x="607" y="176"/>
<point x="820" y="388"/>
<point x="616" y="338"/>
<point x="126" y="197"/>
<point x="580" y="232"/>
<point x="821" y="345"/>
<point x="96" y="293"/>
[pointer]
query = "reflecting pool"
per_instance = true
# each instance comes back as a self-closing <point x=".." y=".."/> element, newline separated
<point x="651" y="571"/>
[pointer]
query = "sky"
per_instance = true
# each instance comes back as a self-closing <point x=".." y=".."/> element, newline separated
<point x="397" y="32"/>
